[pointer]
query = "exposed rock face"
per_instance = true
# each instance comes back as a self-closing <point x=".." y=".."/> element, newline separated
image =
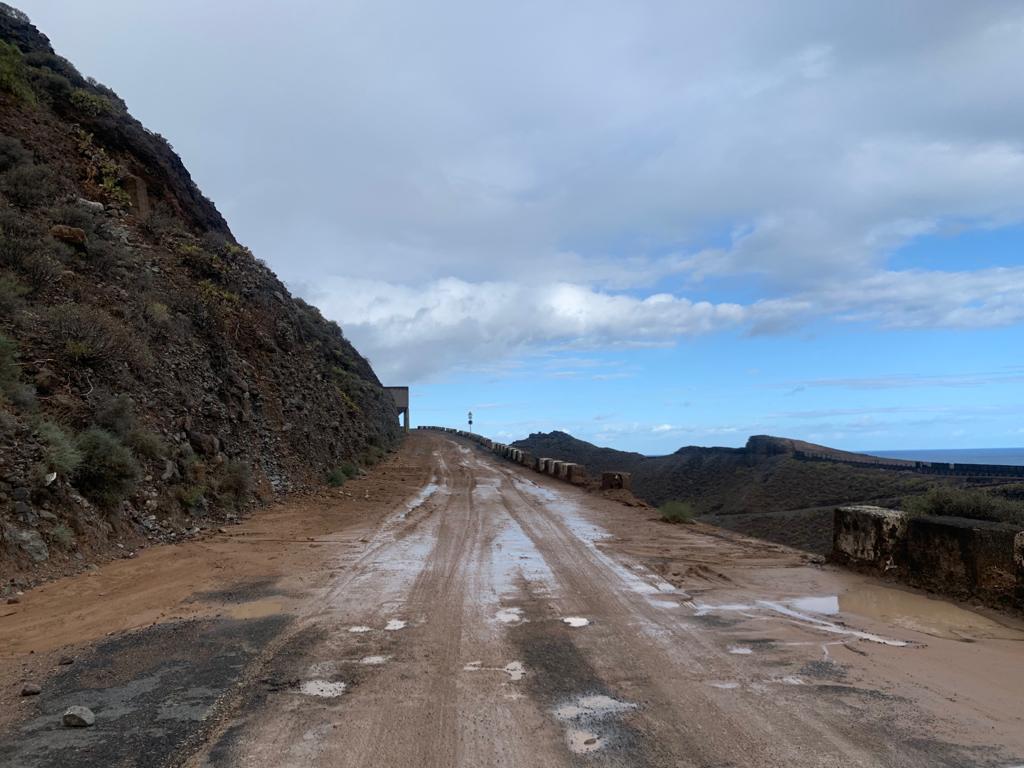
<point x="78" y="717"/>
<point x="149" y="364"/>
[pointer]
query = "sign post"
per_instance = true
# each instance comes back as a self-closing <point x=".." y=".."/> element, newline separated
<point x="470" y="421"/>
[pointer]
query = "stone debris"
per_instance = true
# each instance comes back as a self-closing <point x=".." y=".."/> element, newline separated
<point x="78" y="717"/>
<point x="30" y="689"/>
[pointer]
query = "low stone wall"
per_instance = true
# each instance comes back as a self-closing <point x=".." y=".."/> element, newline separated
<point x="562" y="470"/>
<point x="956" y="556"/>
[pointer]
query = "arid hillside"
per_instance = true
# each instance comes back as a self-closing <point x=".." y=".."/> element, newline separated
<point x="154" y="375"/>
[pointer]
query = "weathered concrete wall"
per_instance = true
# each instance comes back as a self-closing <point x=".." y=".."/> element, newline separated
<point x="868" y="536"/>
<point x="956" y="556"/>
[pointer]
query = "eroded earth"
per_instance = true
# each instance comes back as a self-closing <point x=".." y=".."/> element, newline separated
<point x="454" y="610"/>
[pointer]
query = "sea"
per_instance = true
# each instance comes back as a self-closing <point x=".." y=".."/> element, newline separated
<point x="1009" y="456"/>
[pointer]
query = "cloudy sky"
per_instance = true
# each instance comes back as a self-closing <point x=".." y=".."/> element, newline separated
<point x="648" y="223"/>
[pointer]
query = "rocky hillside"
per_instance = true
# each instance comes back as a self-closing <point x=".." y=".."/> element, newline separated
<point x="763" y="476"/>
<point x="154" y="375"/>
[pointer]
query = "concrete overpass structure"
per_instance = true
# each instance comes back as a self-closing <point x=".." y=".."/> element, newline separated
<point x="401" y="398"/>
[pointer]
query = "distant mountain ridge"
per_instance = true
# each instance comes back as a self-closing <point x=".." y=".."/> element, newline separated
<point x="762" y="476"/>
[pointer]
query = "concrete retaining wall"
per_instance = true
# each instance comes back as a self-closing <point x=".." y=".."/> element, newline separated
<point x="956" y="556"/>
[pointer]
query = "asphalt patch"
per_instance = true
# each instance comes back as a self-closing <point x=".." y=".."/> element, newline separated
<point x="559" y="673"/>
<point x="152" y="692"/>
<point x="242" y="592"/>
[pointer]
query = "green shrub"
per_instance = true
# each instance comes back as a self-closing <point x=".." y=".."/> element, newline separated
<point x="91" y="104"/>
<point x="90" y="336"/>
<point x="969" y="503"/>
<point x="75" y="216"/>
<point x="158" y="314"/>
<point x="676" y="512"/>
<point x="12" y="294"/>
<point x="108" y="471"/>
<point x="236" y="481"/>
<point x="62" y="454"/>
<point x="29" y="186"/>
<point x="12" y="388"/>
<point x="63" y="537"/>
<point x="41" y="268"/>
<point x="146" y="443"/>
<point x="191" y="497"/>
<point x="336" y="478"/>
<point x="117" y="415"/>
<point x="12" y="154"/>
<point x="13" y="73"/>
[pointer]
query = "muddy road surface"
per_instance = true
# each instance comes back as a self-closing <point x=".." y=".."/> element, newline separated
<point x="455" y="610"/>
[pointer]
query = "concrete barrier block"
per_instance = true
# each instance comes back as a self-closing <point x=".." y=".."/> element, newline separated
<point x="616" y="480"/>
<point x="867" y="535"/>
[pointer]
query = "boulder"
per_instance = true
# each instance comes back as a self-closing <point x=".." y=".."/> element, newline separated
<point x="30" y="689"/>
<point x="78" y="717"/>
<point x="70" y="235"/>
<point x="31" y="542"/>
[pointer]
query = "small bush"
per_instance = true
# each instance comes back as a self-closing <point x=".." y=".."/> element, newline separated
<point x="62" y="454"/>
<point x="90" y="336"/>
<point x="12" y="294"/>
<point x="160" y="222"/>
<point x="28" y="186"/>
<point x="41" y="268"/>
<point x="236" y="481"/>
<point x="12" y="154"/>
<point x="676" y="512"/>
<point x="108" y="471"/>
<point x="969" y="503"/>
<point x="12" y="388"/>
<point x="63" y="537"/>
<point x="13" y="73"/>
<point x="75" y="216"/>
<point x="336" y="478"/>
<point x="192" y="497"/>
<point x="146" y="443"/>
<point x="91" y="104"/>
<point x="158" y="314"/>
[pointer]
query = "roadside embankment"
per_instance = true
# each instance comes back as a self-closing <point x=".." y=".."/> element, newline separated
<point x="956" y="556"/>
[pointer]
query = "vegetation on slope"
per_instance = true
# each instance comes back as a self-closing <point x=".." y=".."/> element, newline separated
<point x="152" y="371"/>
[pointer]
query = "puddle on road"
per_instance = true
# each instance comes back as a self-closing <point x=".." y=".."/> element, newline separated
<point x="394" y="625"/>
<point x="510" y="615"/>
<point x="515" y="670"/>
<point x="921" y="613"/>
<point x="324" y="689"/>
<point x="374" y="661"/>
<point x="582" y="742"/>
<point x="360" y="629"/>
<point x="418" y="500"/>
<point x="724" y="685"/>
<point x="900" y="608"/>
<point x="584" y="717"/>
<point x="740" y="650"/>
<point x="576" y="621"/>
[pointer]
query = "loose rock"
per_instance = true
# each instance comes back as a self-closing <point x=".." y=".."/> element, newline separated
<point x="78" y="717"/>
<point x="30" y="689"/>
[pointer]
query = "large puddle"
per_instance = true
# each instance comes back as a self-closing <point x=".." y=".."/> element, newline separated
<point x="920" y="613"/>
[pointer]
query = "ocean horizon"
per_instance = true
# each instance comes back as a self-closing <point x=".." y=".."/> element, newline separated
<point x="1007" y="456"/>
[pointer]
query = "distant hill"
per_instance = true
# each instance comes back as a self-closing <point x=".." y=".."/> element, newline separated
<point x="739" y="487"/>
<point x="763" y="476"/>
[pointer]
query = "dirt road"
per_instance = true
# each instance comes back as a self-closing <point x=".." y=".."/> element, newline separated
<point x="478" y="615"/>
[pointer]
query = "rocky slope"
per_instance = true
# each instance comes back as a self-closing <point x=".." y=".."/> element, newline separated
<point x="154" y="375"/>
<point x="763" y="476"/>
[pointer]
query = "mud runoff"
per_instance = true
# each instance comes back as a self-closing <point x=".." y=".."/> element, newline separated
<point x="470" y="613"/>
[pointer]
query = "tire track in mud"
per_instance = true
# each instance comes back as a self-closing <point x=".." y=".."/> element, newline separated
<point x="702" y="724"/>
